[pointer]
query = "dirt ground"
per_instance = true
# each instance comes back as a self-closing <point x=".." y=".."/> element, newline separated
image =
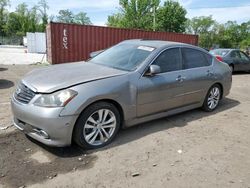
<point x="192" y="149"/>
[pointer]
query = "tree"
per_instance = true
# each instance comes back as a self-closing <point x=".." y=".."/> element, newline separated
<point x="205" y="27"/>
<point x="43" y="7"/>
<point x="3" y="16"/>
<point x="52" y="18"/>
<point x="245" y="43"/>
<point x="233" y="35"/>
<point x="34" y="20"/>
<point x="134" y="14"/>
<point x="245" y="33"/>
<point x="115" y="20"/>
<point x="149" y="15"/>
<point x="211" y="33"/>
<point x="171" y="17"/>
<point x="65" y="16"/>
<point x="200" y="24"/>
<point x="221" y="38"/>
<point x="82" y="18"/>
<point x="12" y="25"/>
<point x="23" y="20"/>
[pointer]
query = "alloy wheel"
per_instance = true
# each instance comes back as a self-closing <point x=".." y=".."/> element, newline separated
<point x="99" y="127"/>
<point x="213" y="98"/>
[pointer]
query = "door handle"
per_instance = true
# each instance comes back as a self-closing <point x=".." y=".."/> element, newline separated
<point x="180" y="78"/>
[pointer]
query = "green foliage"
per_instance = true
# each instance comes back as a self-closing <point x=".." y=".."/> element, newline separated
<point x="171" y="17"/>
<point x="202" y="24"/>
<point x="115" y="20"/>
<point x="82" y="18"/>
<point x="35" y="19"/>
<point x="245" y="43"/>
<point x="137" y="14"/>
<point x="3" y="14"/>
<point x="43" y="7"/>
<point x="228" y="35"/>
<point x="66" y="16"/>
<point x="149" y="15"/>
<point x="22" y="20"/>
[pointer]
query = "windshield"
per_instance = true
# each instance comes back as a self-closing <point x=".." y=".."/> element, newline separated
<point x="123" y="56"/>
<point x="220" y="52"/>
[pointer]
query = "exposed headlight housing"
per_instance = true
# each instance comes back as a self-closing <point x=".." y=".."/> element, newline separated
<point x="57" y="99"/>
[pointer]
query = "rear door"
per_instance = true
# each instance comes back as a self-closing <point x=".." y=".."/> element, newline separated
<point x="198" y="73"/>
<point x="245" y="65"/>
<point x="236" y="59"/>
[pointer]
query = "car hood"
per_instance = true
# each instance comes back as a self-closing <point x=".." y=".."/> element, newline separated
<point x="56" y="77"/>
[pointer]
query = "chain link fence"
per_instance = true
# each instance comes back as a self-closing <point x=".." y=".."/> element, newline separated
<point x="11" y="40"/>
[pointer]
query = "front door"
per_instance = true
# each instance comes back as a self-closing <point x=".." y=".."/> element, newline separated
<point x="161" y="92"/>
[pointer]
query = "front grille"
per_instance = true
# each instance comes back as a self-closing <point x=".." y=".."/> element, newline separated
<point x="23" y="94"/>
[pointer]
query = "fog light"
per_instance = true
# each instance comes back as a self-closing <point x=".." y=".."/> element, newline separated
<point x="42" y="133"/>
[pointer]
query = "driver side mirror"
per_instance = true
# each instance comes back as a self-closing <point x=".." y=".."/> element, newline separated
<point x="153" y="70"/>
<point x="93" y="54"/>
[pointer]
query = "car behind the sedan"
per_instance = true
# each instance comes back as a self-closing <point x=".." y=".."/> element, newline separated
<point x="132" y="82"/>
<point x="236" y="59"/>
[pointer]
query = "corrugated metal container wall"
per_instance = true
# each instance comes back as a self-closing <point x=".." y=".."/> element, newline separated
<point x="72" y="42"/>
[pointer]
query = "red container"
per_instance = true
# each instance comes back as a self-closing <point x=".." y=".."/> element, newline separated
<point x="72" y="42"/>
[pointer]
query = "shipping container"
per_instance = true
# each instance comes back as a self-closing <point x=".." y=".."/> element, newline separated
<point x="36" y="42"/>
<point x="72" y="42"/>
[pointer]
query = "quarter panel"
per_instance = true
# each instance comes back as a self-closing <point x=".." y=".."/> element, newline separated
<point x="223" y="75"/>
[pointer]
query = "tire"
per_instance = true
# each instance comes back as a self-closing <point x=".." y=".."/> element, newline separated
<point x="212" y="99"/>
<point x="97" y="125"/>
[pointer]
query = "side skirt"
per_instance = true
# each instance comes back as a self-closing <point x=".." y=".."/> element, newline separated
<point x="132" y="122"/>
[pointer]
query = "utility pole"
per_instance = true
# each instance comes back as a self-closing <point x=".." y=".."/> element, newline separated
<point x="154" y="18"/>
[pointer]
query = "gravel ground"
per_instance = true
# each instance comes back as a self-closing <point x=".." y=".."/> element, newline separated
<point x="17" y="55"/>
<point x="192" y="149"/>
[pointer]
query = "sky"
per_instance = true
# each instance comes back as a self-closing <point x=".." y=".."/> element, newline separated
<point x="98" y="10"/>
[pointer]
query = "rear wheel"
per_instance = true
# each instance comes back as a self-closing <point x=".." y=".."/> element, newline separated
<point x="97" y="125"/>
<point x="212" y="98"/>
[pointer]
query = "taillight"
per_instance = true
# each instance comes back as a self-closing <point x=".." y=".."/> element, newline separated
<point x="219" y="58"/>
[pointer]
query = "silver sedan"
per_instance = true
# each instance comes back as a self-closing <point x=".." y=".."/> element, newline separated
<point x="132" y="82"/>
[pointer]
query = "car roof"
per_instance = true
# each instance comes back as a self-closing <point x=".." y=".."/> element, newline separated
<point x="155" y="43"/>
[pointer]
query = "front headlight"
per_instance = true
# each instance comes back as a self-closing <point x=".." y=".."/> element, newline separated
<point x="57" y="99"/>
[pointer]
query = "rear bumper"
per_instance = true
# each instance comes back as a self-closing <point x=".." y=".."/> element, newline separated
<point x="43" y="124"/>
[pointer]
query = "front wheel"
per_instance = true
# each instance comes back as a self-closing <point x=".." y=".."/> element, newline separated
<point x="97" y="125"/>
<point x="212" y="98"/>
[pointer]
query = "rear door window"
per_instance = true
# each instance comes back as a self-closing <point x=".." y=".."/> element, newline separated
<point x="209" y="58"/>
<point x="235" y="54"/>
<point x="244" y="56"/>
<point x="194" y="58"/>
